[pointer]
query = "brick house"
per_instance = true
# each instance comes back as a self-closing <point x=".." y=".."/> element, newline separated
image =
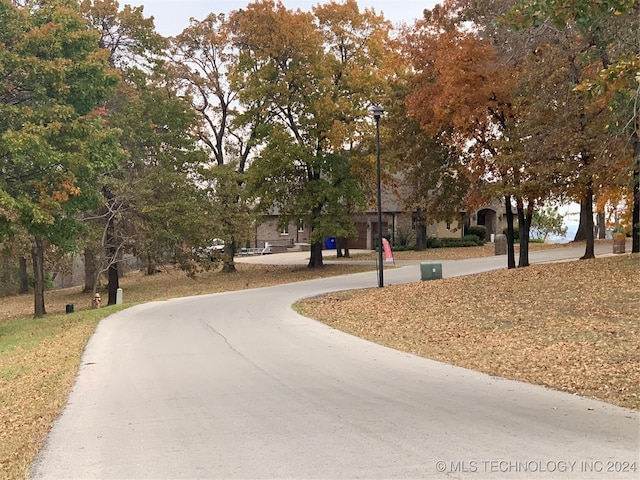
<point x="396" y="222"/>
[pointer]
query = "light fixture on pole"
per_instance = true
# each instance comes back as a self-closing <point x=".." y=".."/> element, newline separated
<point x="377" y="112"/>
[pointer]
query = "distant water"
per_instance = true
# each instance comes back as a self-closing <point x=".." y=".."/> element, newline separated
<point x="570" y="235"/>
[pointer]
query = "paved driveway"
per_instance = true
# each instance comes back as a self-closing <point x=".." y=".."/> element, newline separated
<point x="237" y="385"/>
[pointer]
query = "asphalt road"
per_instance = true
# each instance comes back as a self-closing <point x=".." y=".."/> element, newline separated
<point x="237" y="385"/>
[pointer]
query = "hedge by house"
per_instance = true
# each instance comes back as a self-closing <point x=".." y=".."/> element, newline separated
<point x="466" y="241"/>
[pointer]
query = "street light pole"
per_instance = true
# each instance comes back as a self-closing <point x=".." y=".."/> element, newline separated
<point x="377" y="112"/>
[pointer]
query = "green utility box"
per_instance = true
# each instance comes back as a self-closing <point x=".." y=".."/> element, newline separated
<point x="430" y="270"/>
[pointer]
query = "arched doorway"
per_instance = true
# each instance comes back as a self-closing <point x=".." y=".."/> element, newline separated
<point x="488" y="218"/>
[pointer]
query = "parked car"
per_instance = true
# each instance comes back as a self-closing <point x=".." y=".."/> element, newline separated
<point x="216" y="245"/>
<point x="211" y="251"/>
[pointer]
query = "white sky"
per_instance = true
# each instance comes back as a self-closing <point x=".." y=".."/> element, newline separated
<point x="172" y="16"/>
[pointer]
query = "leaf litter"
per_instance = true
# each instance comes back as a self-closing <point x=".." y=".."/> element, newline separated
<point x="570" y="326"/>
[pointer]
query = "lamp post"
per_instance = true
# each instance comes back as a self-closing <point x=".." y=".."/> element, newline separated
<point x="377" y="112"/>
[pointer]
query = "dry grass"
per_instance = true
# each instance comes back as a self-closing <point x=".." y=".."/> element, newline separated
<point x="569" y="326"/>
<point x="39" y="359"/>
<point x="173" y="283"/>
<point x="38" y="364"/>
<point x="572" y="327"/>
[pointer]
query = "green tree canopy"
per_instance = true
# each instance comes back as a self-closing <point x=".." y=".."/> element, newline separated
<point x="317" y="79"/>
<point x="54" y="75"/>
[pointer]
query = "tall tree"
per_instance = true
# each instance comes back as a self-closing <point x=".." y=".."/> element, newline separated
<point x="157" y="203"/>
<point x="589" y="31"/>
<point x="428" y="173"/>
<point x="134" y="48"/>
<point x="619" y="85"/>
<point x="461" y="95"/>
<point x="54" y="75"/>
<point x="315" y="76"/>
<point x="126" y="33"/>
<point x="202" y="67"/>
<point x="622" y="80"/>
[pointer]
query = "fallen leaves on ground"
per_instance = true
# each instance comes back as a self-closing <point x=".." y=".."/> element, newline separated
<point x="570" y="326"/>
<point x="39" y="358"/>
<point x="34" y="383"/>
<point x="171" y="282"/>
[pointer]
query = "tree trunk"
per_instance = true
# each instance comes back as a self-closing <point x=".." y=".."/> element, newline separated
<point x="37" y="256"/>
<point x="511" y="256"/>
<point x="228" y="263"/>
<point x="113" y="277"/>
<point x="581" y="233"/>
<point x="421" y="231"/>
<point x="24" y="277"/>
<point x="342" y="247"/>
<point x="114" y="283"/>
<point x="151" y="265"/>
<point x="6" y="271"/>
<point x="588" y="207"/>
<point x="524" y="226"/>
<point x="345" y="247"/>
<point x="90" y="271"/>
<point x="316" y="255"/>
<point x="602" y="228"/>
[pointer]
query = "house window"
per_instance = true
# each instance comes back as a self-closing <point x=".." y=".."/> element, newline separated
<point x="300" y="226"/>
<point x="285" y="230"/>
<point x="448" y="225"/>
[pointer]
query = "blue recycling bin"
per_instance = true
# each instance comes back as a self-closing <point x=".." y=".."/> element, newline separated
<point x="330" y="243"/>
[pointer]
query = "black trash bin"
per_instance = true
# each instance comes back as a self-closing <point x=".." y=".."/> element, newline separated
<point x="69" y="308"/>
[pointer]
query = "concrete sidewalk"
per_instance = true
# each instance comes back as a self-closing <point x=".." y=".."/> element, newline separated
<point x="294" y="258"/>
<point x="569" y="252"/>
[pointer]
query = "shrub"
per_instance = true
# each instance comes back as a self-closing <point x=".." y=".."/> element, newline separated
<point x="479" y="231"/>
<point x="470" y="241"/>
<point x="456" y="242"/>
<point x="403" y="248"/>
<point x="434" y="242"/>
<point x="467" y="241"/>
<point x="453" y="242"/>
<point x="474" y="238"/>
<point x="404" y="239"/>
